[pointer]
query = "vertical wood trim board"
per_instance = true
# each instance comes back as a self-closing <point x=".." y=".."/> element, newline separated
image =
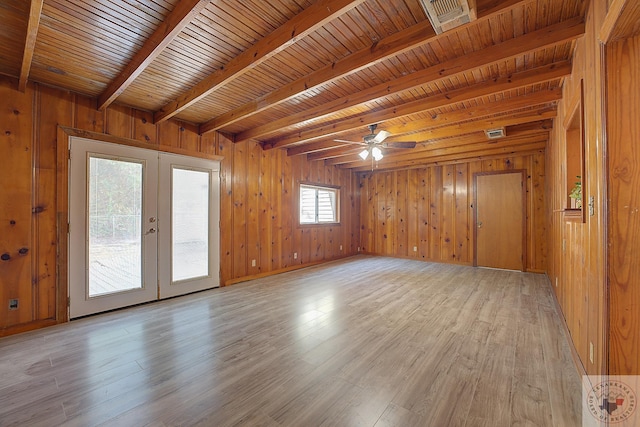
<point x="623" y="107"/>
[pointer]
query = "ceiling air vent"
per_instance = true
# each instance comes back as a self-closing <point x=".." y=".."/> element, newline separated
<point x="495" y="133"/>
<point x="448" y="14"/>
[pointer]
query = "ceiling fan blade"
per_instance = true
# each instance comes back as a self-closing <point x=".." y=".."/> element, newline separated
<point x="400" y="144"/>
<point x="350" y="142"/>
<point x="381" y="136"/>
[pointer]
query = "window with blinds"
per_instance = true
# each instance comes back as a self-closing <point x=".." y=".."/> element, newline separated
<point x="318" y="205"/>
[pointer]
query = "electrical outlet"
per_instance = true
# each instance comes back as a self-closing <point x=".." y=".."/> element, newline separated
<point x="415" y="249"/>
<point x="591" y="351"/>
<point x="253" y="263"/>
<point x="340" y="247"/>
<point x="13" y="304"/>
<point x="358" y="248"/>
<point x="556" y="282"/>
<point x="295" y="255"/>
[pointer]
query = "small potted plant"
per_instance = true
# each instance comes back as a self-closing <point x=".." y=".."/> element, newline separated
<point x="576" y="193"/>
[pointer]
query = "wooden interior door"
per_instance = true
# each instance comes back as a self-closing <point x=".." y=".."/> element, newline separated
<point x="500" y="220"/>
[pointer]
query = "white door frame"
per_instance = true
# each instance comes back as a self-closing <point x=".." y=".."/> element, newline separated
<point x="157" y="167"/>
<point x="80" y="303"/>
<point x="168" y="287"/>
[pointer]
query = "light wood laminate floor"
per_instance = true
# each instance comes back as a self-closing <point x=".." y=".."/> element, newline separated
<point x="365" y="341"/>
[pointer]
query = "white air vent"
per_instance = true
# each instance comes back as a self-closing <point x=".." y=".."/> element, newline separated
<point x="448" y="14"/>
<point x="495" y="133"/>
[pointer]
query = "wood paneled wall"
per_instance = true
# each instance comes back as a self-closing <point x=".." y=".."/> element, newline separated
<point x="577" y="248"/>
<point x="430" y="209"/>
<point x="623" y="119"/>
<point x="257" y="211"/>
<point x="259" y="192"/>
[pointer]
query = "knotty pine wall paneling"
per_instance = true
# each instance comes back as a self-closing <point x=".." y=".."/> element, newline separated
<point x="223" y="146"/>
<point x="623" y="112"/>
<point x="266" y="208"/>
<point x="16" y="247"/>
<point x="264" y="211"/>
<point x="52" y="107"/>
<point x="257" y="218"/>
<point x="239" y="213"/>
<point x="576" y="249"/>
<point x="435" y="211"/>
<point x="431" y="209"/>
<point x="286" y="212"/>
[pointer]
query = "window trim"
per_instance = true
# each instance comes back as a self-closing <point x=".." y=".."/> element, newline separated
<point x="574" y="126"/>
<point x="317" y="186"/>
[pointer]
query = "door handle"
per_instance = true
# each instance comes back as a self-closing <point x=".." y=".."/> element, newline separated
<point x="151" y="231"/>
<point x="479" y="224"/>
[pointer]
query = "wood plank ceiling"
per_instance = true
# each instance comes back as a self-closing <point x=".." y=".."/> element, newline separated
<point x="299" y="74"/>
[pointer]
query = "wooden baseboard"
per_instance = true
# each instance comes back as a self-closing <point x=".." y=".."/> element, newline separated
<point x="25" y="327"/>
<point x="281" y="270"/>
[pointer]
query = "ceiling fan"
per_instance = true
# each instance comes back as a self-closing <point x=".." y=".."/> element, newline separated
<point x="374" y="142"/>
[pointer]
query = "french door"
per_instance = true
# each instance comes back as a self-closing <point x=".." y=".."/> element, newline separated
<point x="143" y="225"/>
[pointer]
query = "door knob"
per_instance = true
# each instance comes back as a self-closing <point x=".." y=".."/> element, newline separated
<point x="151" y="231"/>
<point x="152" y="219"/>
<point x="479" y="224"/>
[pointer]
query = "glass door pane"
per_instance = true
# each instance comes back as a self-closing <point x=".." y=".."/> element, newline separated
<point x="190" y="224"/>
<point x="113" y="243"/>
<point x="115" y="238"/>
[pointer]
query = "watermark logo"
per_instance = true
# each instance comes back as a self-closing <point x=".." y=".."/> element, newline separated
<point x="610" y="399"/>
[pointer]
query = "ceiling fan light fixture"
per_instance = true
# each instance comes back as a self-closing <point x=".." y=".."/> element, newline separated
<point x="376" y="153"/>
<point x="364" y="154"/>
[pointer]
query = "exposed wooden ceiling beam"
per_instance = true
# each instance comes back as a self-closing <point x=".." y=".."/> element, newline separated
<point x="460" y="152"/>
<point x="492" y="123"/>
<point x="460" y="145"/>
<point x="178" y="19"/>
<point x="339" y="156"/>
<point x="621" y="21"/>
<point x="515" y="81"/>
<point x="335" y="153"/>
<point x="443" y="162"/>
<point x="315" y="147"/>
<point x="391" y="46"/>
<point x="537" y="40"/>
<point x="312" y="18"/>
<point x="546" y="125"/>
<point x="500" y="152"/>
<point x="30" y="43"/>
<point x="482" y="111"/>
<point x="514" y="133"/>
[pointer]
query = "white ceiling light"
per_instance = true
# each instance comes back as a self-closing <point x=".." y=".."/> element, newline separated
<point x="376" y="153"/>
